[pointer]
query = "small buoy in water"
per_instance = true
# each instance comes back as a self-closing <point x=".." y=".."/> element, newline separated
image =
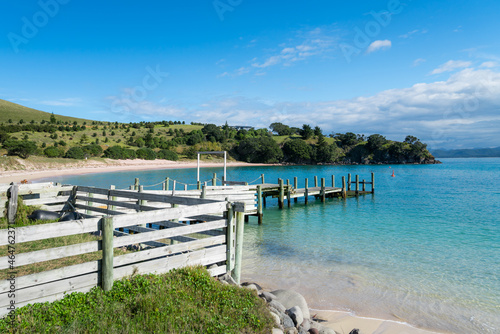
<point x="393" y="173"/>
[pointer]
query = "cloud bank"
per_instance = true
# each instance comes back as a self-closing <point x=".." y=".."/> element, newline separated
<point x="461" y="112"/>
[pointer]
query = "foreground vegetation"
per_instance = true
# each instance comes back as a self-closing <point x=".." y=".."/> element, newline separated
<point x="58" y="137"/>
<point x="185" y="300"/>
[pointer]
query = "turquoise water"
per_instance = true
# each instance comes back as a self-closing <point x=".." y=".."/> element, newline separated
<point x="425" y="249"/>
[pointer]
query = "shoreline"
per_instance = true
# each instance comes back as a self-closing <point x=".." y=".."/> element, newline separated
<point x="33" y="173"/>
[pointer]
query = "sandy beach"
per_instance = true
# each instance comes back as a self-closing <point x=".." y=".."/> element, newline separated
<point x="35" y="171"/>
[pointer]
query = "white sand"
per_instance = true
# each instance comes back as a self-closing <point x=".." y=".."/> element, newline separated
<point x="33" y="172"/>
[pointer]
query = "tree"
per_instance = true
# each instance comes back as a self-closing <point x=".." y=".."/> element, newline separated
<point x="281" y="129"/>
<point x="259" y="150"/>
<point x="376" y="142"/>
<point x="167" y="155"/>
<point x="53" y="152"/>
<point x="92" y="150"/>
<point x="297" y="150"/>
<point x="317" y="131"/>
<point x="23" y="149"/>
<point x="53" y="119"/>
<point x="306" y="132"/>
<point x="213" y="133"/>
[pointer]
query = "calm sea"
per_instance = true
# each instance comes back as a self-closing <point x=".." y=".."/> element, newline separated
<point x="425" y="249"/>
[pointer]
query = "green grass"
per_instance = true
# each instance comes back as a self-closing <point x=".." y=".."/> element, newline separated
<point x="16" y="112"/>
<point x="185" y="300"/>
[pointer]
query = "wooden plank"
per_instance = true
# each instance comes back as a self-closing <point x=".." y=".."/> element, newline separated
<point x="167" y="250"/>
<point x="23" y="259"/>
<point x="46" y="200"/>
<point x="51" y="275"/>
<point x="132" y="205"/>
<point x="202" y="257"/>
<point x="96" y="209"/>
<point x="168" y="214"/>
<point x="220" y="270"/>
<point x="48" y="289"/>
<point x="168" y="233"/>
<point x="12" y="207"/>
<point x="160" y="198"/>
<point x="52" y="230"/>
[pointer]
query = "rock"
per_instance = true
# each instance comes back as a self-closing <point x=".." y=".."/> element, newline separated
<point x="322" y="329"/>
<point x="354" y="331"/>
<point x="287" y="322"/>
<point x="277" y="331"/>
<point x="291" y="330"/>
<point x="313" y="331"/>
<point x="277" y="321"/>
<point x="302" y="330"/>
<point x="306" y="324"/>
<point x="289" y="298"/>
<point x="226" y="277"/>
<point x="246" y="284"/>
<point x="268" y="296"/>
<point x="277" y="305"/>
<point x="252" y="287"/>
<point x="296" y="314"/>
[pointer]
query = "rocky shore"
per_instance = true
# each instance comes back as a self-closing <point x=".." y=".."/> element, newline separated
<point x="289" y="310"/>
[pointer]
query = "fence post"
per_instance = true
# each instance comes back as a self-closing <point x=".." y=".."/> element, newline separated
<point x="364" y="184"/>
<point x="323" y="192"/>
<point x="288" y="192"/>
<point x="89" y="203"/>
<point x="262" y="176"/>
<point x="107" y="253"/>
<point x="136" y="184"/>
<point x="259" y="204"/>
<point x="204" y="191"/>
<point x="214" y="180"/>
<point x="349" y="182"/>
<point x="306" y="194"/>
<point x="315" y="181"/>
<point x="240" y="225"/>
<point x="230" y="240"/>
<point x="373" y="183"/>
<point x="166" y="184"/>
<point x="281" y="193"/>
<point x="295" y="186"/>
<point x="111" y="198"/>
<point x="333" y="181"/>
<point x="12" y="208"/>
<point x="198" y="185"/>
<point x="357" y="185"/>
<point x="344" y="194"/>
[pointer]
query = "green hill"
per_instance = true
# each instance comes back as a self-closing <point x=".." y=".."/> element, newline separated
<point x="16" y="112"/>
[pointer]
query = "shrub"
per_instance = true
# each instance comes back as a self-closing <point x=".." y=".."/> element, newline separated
<point x="53" y="152"/>
<point x="23" y="149"/>
<point x="145" y="153"/>
<point x="167" y="155"/>
<point x="75" y="153"/>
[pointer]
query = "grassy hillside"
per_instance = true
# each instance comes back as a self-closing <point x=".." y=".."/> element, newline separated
<point x="16" y="112"/>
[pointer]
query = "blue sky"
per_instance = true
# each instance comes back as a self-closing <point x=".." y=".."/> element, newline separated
<point x="426" y="68"/>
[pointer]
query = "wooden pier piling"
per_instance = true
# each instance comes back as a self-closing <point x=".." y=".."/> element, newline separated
<point x="344" y="191"/>
<point x="357" y="186"/>
<point x="373" y="183"/>
<point x="349" y="182"/>
<point x="136" y="184"/>
<point x="259" y="204"/>
<point x="281" y="193"/>
<point x="288" y="193"/>
<point x="295" y="186"/>
<point x="315" y="181"/>
<point x="306" y="193"/>
<point x="323" y="192"/>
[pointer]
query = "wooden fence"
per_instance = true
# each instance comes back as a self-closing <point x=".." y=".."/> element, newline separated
<point x="172" y="231"/>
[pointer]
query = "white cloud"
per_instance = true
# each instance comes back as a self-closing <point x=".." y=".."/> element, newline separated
<point x="378" y="45"/>
<point x="461" y="111"/>
<point x="489" y="64"/>
<point x="413" y="32"/>
<point x="418" y="61"/>
<point x="66" y="102"/>
<point x="451" y="65"/>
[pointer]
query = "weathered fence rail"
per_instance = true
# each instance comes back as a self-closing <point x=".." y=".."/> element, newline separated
<point x="182" y="231"/>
